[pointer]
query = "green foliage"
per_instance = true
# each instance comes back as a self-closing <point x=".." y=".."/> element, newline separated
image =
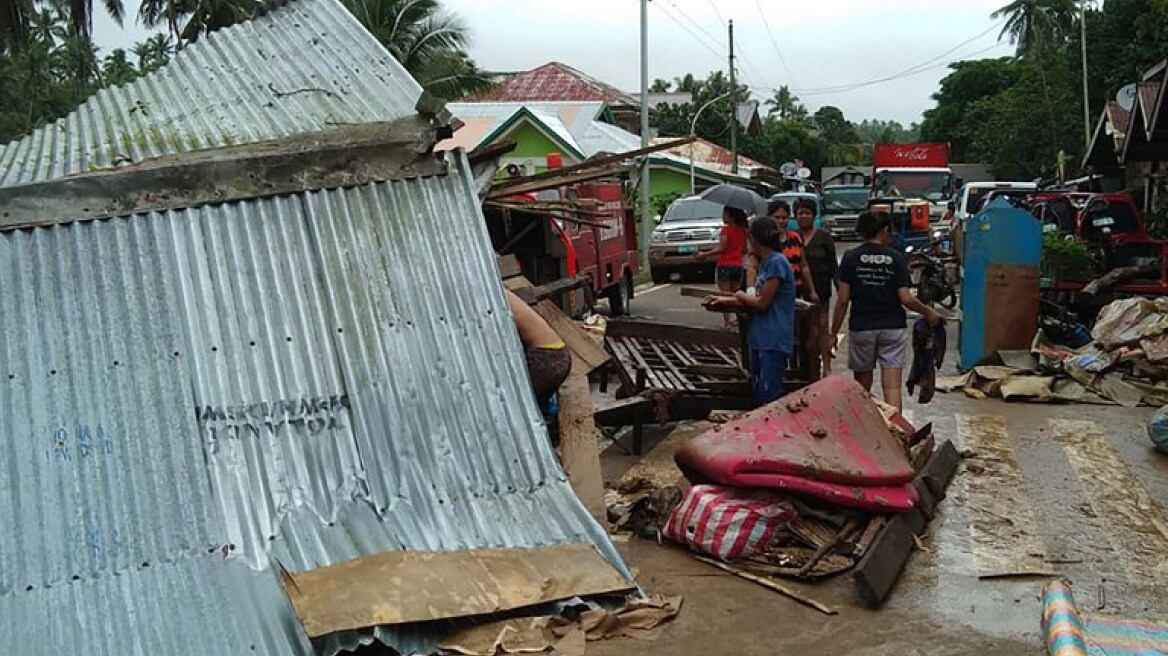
<point x="47" y="68"/>
<point x="1066" y="259"/>
<point x="661" y="202"/>
<point x="789" y="131"/>
<point x="1018" y="114"/>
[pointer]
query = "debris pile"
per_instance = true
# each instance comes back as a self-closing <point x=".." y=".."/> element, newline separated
<point x="808" y="487"/>
<point x="1125" y="363"/>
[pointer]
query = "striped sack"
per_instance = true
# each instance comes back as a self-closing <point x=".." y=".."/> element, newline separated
<point x="728" y="523"/>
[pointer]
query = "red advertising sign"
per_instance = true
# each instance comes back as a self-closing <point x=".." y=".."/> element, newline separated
<point x="930" y="155"/>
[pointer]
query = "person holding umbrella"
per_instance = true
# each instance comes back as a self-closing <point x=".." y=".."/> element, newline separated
<point x="729" y="272"/>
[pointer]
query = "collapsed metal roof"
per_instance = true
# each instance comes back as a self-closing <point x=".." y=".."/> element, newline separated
<point x="193" y="395"/>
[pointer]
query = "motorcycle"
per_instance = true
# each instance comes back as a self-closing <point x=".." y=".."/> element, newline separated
<point x="928" y="271"/>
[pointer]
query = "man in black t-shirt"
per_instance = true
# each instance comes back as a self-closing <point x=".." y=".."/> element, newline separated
<point x="874" y="281"/>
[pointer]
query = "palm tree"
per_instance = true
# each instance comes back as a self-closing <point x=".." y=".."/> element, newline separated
<point x="785" y="104"/>
<point x="118" y="69"/>
<point x="77" y="59"/>
<point x="428" y="41"/>
<point x="1032" y="24"/>
<point x="153" y="53"/>
<point x="15" y="17"/>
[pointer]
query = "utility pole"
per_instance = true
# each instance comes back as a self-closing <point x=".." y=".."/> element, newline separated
<point x="733" y="107"/>
<point x="1086" y="95"/>
<point x="646" y="211"/>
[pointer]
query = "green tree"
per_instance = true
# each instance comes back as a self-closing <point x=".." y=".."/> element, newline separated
<point x="1031" y="24"/>
<point x="968" y="83"/>
<point x="429" y="41"/>
<point x="785" y="104"/>
<point x="118" y="70"/>
<point x="153" y="53"/>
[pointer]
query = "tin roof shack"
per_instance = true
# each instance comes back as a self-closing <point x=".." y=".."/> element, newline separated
<point x="253" y="358"/>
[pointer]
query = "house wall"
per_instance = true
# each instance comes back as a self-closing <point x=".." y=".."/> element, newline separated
<point x="532" y="147"/>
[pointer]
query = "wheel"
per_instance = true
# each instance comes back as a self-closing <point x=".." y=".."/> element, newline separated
<point x="950" y="300"/>
<point x="619" y="296"/>
<point x="660" y="276"/>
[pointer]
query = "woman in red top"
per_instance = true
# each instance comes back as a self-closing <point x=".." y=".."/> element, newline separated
<point x="731" y="269"/>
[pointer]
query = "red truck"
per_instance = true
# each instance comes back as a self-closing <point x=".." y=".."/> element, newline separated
<point x="601" y="246"/>
<point x="914" y="171"/>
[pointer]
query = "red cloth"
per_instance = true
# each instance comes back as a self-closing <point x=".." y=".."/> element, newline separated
<point x="735" y="246"/>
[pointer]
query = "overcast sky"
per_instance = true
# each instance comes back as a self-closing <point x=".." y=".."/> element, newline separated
<point x="828" y="46"/>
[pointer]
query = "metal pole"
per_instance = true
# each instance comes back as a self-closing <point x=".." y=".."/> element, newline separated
<point x="1086" y="95"/>
<point x="733" y="108"/>
<point x="646" y="201"/>
<point x="693" y="127"/>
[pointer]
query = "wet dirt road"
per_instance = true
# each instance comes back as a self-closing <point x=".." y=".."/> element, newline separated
<point x="1048" y="491"/>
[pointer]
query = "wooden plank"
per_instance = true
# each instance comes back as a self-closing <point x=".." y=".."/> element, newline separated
<point x="508" y="266"/>
<point x="682" y="381"/>
<point x="655" y="377"/>
<point x="673" y="332"/>
<point x="401" y="587"/>
<point x="533" y="295"/>
<point x="771" y="584"/>
<point x="585" y="351"/>
<point x="695" y="292"/>
<point x="717" y="371"/>
<point x="881" y="566"/>
<point x="579" y="447"/>
<point x="885" y="559"/>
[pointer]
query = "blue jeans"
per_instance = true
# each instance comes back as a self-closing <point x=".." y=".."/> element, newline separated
<point x="769" y="369"/>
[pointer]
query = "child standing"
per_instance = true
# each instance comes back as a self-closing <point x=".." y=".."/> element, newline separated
<point x="772" y="327"/>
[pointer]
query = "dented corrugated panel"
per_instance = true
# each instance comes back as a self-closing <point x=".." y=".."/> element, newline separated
<point x="301" y="68"/>
<point x="192" y="396"/>
<point x="195" y="398"/>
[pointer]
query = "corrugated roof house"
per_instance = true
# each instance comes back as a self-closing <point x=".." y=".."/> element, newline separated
<point x="582" y="129"/>
<point x="191" y="396"/>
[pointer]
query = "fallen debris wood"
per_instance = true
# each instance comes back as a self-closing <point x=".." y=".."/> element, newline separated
<point x="889" y="552"/>
<point x="772" y="585"/>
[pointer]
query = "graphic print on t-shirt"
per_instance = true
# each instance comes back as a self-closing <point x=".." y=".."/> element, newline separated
<point x="876" y="274"/>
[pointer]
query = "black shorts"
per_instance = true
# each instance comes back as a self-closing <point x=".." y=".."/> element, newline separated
<point x="548" y="368"/>
<point x="729" y="274"/>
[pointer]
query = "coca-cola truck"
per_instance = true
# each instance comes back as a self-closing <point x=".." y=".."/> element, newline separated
<point x="914" y="171"/>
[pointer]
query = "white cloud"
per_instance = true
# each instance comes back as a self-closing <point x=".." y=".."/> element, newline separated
<point x="825" y="43"/>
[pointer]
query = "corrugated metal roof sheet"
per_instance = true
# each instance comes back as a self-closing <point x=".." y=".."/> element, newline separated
<point x="554" y="82"/>
<point x="301" y="68"/>
<point x="190" y="396"/>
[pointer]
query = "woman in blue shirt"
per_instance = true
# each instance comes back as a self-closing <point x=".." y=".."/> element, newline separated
<point x="772" y="327"/>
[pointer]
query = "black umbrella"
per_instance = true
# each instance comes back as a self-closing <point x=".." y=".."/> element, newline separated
<point x="736" y="197"/>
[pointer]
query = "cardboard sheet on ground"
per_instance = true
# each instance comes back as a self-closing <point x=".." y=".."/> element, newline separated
<point x="401" y="587"/>
<point x="830" y="432"/>
<point x="562" y="636"/>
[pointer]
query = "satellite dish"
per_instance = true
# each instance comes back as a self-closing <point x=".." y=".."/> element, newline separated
<point x="788" y="170"/>
<point x="1126" y="97"/>
<point x="803" y="173"/>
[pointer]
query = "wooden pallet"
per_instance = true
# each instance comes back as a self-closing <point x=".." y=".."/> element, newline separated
<point x="647" y="363"/>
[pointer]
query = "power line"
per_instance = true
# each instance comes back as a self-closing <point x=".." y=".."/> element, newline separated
<point x="695" y="23"/>
<point x="704" y="44"/>
<point x="774" y="42"/>
<point x="717" y="13"/>
<point x="891" y="78"/>
<point x="912" y="70"/>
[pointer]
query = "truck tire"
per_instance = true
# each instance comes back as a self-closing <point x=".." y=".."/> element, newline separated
<point x="660" y="276"/>
<point x="619" y="296"/>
